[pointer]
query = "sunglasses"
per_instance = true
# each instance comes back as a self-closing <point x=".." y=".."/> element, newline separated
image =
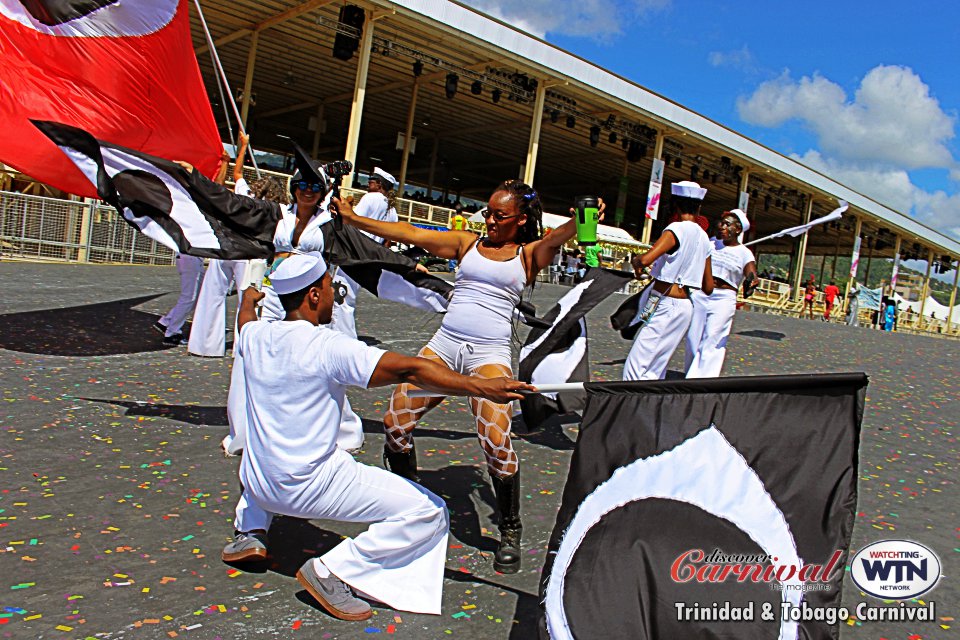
<point x="727" y="223"/>
<point x="303" y="185"/>
<point x="498" y="217"/>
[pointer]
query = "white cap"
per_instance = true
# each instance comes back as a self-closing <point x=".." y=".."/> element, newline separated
<point x="297" y="272"/>
<point x="744" y="223"/>
<point x="688" y="189"/>
<point x="385" y="177"/>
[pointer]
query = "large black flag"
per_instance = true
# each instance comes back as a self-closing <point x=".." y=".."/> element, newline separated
<point x="182" y="210"/>
<point x="558" y="352"/>
<point x="670" y="477"/>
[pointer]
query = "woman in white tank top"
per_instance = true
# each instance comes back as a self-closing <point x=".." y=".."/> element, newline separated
<point x="476" y="333"/>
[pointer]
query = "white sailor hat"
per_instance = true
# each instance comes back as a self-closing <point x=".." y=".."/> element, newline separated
<point x="744" y="223"/>
<point x="688" y="189"/>
<point x="383" y="176"/>
<point x="297" y="272"/>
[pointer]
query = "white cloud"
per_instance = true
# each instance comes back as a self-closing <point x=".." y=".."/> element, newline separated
<point x="871" y="142"/>
<point x="741" y="58"/>
<point x="891" y="119"/>
<point x="587" y="18"/>
<point x="892" y="186"/>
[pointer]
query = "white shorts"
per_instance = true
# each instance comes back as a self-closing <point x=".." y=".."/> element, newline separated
<point x="467" y="357"/>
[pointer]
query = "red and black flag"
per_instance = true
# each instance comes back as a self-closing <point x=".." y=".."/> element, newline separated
<point x="678" y="489"/>
<point x="124" y="70"/>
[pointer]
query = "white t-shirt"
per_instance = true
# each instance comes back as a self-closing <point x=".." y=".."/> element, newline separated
<point x="685" y="265"/>
<point x="295" y="375"/>
<point x="241" y="188"/>
<point x="374" y="205"/>
<point x="727" y="263"/>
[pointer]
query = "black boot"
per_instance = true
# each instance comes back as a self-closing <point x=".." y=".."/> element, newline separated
<point x="507" y="557"/>
<point x="403" y="464"/>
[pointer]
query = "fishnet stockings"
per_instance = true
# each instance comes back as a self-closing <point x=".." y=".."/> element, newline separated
<point x="493" y="420"/>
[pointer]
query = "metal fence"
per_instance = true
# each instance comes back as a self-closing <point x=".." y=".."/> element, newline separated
<point x="43" y="228"/>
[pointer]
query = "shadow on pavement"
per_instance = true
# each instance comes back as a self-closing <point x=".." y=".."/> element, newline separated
<point x="526" y="614"/>
<point x="103" y="329"/>
<point x="191" y="414"/>
<point x="766" y="335"/>
<point x="456" y="485"/>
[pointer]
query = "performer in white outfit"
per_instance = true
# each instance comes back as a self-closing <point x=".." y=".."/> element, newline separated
<point x="296" y="372"/>
<point x="731" y="264"/>
<point x="298" y="229"/>
<point x="378" y="204"/>
<point x="679" y="261"/>
<point x="476" y="333"/>
<point x="190" y="269"/>
<point x="208" y="330"/>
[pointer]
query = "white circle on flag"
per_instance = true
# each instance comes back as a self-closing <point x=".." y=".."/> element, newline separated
<point x="108" y="20"/>
<point x="705" y="471"/>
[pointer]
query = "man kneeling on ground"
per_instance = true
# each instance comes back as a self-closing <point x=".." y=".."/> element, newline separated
<point x="296" y="371"/>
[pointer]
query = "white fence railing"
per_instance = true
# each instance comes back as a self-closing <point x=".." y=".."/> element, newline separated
<point x="43" y="228"/>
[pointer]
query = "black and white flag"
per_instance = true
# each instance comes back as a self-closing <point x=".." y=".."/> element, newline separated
<point x="688" y="497"/>
<point x="185" y="212"/>
<point x="558" y="352"/>
<point x="382" y="272"/>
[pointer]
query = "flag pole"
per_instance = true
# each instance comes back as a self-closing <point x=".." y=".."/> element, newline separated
<point x="226" y="83"/>
<point x="541" y="388"/>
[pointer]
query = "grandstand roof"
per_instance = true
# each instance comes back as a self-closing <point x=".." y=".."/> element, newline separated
<point x="468" y="144"/>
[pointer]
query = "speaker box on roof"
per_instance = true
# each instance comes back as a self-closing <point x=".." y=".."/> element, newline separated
<point x="344" y="46"/>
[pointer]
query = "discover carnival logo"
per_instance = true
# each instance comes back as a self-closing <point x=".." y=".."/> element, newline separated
<point x="895" y="569"/>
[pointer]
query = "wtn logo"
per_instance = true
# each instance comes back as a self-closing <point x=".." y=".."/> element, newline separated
<point x="903" y="570"/>
<point x="895" y="569"/>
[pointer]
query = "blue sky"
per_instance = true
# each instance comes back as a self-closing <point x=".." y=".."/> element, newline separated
<point x="865" y="92"/>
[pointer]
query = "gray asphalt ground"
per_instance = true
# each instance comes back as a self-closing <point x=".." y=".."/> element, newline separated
<point x="115" y="501"/>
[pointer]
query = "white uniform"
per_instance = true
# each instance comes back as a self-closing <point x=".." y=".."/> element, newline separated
<point x="190" y="269"/>
<point x="372" y="205"/>
<point x="351" y="427"/>
<point x="713" y="314"/>
<point x="208" y="331"/>
<point x="296" y="374"/>
<point x="659" y="336"/>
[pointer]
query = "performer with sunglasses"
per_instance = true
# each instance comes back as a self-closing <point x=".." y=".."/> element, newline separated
<point x="476" y="333"/>
<point x="731" y="264"/>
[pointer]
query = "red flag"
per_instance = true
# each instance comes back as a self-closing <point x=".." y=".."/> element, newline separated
<point x="124" y="70"/>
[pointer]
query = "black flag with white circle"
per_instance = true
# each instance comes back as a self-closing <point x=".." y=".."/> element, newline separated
<point x="558" y="353"/>
<point x="672" y="481"/>
<point x="184" y="211"/>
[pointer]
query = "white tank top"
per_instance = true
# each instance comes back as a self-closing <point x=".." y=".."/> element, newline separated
<point x="484" y="296"/>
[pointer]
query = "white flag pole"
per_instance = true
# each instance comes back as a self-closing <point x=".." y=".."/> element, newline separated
<point x="541" y="388"/>
<point x="223" y="78"/>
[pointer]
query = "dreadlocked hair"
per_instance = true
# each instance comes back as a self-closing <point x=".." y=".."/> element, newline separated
<point x="269" y="188"/>
<point x="528" y="204"/>
<point x="391" y="196"/>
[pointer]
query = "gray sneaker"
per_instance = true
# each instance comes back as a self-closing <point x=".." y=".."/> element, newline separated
<point x="246" y="547"/>
<point x="333" y="594"/>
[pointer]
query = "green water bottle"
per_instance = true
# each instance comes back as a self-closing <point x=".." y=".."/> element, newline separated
<point x="587" y="214"/>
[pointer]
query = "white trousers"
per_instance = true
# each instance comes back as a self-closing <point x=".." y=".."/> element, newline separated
<point x="658" y="339"/>
<point x="399" y="559"/>
<point x="709" y="331"/>
<point x="190" y="269"/>
<point x="208" y="332"/>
